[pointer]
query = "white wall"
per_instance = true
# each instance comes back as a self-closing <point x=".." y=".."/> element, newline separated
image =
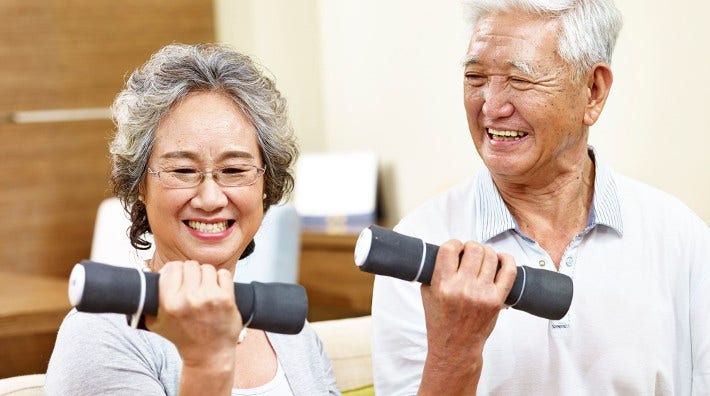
<point x="385" y="75"/>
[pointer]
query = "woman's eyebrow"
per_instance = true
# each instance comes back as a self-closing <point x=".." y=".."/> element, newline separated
<point x="183" y="154"/>
<point x="235" y="154"/>
<point x="179" y="155"/>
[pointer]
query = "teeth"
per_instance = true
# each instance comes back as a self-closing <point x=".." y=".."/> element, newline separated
<point x="506" y="135"/>
<point x="208" y="227"/>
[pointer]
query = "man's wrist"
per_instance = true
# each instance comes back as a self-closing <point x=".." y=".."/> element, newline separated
<point x="458" y="377"/>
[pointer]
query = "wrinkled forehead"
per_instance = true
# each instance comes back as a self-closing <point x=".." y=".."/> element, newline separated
<point x="514" y="38"/>
<point x="517" y="25"/>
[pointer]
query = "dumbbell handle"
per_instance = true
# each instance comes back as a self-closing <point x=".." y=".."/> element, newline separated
<point x="543" y="293"/>
<point x="103" y="288"/>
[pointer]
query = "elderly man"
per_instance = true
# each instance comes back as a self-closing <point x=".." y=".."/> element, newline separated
<point x="536" y="77"/>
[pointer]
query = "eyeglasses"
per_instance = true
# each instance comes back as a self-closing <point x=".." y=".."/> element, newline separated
<point x="238" y="175"/>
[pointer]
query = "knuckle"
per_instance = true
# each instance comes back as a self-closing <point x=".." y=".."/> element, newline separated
<point x="473" y="247"/>
<point x="173" y="307"/>
<point x="489" y="250"/>
<point x="452" y="247"/>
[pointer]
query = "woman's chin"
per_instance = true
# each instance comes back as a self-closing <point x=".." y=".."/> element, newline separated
<point x="218" y="259"/>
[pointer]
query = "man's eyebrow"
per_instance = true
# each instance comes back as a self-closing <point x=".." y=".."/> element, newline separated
<point x="468" y="60"/>
<point x="523" y="66"/>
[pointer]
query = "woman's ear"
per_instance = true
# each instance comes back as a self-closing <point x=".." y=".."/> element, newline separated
<point x="598" y="87"/>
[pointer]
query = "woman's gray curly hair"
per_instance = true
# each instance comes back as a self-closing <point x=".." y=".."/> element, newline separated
<point x="171" y="74"/>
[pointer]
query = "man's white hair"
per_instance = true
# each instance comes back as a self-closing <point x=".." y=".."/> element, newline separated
<point x="588" y="28"/>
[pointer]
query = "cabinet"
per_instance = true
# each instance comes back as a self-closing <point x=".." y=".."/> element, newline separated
<point x="71" y="56"/>
<point x="336" y="287"/>
<point x="32" y="309"/>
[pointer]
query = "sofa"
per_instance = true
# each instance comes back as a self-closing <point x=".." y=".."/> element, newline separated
<point x="347" y="342"/>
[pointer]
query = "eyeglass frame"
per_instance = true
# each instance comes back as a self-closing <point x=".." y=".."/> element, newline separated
<point x="203" y="173"/>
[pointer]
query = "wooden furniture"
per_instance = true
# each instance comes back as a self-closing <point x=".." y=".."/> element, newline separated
<point x="72" y="56"/>
<point x="69" y="56"/>
<point x="31" y="310"/>
<point x="336" y="287"/>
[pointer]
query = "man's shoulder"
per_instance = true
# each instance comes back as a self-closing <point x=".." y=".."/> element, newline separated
<point x="643" y="201"/>
<point x="637" y="190"/>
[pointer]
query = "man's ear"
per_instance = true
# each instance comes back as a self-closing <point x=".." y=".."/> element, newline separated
<point x="598" y="86"/>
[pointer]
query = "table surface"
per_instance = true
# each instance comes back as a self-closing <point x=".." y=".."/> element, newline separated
<point x="31" y="304"/>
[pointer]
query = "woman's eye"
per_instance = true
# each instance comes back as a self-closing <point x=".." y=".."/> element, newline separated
<point x="184" y="171"/>
<point x="236" y="169"/>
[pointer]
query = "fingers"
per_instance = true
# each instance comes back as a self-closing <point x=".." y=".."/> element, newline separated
<point x="466" y="295"/>
<point x="197" y="310"/>
<point x="479" y="261"/>
<point x="171" y="278"/>
<point x="208" y="276"/>
<point x="447" y="261"/>
<point x="508" y="270"/>
<point x="192" y="275"/>
<point x="185" y="284"/>
<point x="474" y="266"/>
<point x="225" y="280"/>
<point x="471" y="258"/>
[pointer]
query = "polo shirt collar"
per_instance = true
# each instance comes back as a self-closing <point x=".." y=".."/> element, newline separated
<point x="495" y="218"/>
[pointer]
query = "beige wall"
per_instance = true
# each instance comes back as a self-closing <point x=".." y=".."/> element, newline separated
<point x="283" y="36"/>
<point x="385" y="75"/>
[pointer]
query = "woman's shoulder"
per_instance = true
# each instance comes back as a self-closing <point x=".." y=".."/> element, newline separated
<point x="91" y="334"/>
<point x="98" y="351"/>
<point x="87" y="328"/>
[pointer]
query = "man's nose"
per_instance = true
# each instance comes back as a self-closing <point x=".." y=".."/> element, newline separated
<point x="497" y="103"/>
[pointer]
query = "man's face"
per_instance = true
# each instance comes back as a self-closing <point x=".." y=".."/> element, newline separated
<point x="525" y="113"/>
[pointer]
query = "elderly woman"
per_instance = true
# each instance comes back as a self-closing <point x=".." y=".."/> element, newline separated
<point x="202" y="148"/>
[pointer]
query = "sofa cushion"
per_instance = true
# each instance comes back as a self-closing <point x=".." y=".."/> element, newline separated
<point x="347" y="343"/>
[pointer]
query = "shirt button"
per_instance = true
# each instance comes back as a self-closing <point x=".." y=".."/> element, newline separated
<point x="569" y="261"/>
<point x="542" y="263"/>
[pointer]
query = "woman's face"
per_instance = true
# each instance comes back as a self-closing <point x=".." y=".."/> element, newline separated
<point x="207" y="223"/>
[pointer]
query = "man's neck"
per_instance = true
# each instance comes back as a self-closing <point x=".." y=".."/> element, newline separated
<point x="553" y="210"/>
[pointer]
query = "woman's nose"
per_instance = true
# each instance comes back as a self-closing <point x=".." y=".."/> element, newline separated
<point x="209" y="196"/>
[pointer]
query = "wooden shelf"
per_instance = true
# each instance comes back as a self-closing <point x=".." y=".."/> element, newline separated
<point x="32" y="309"/>
<point x="336" y="287"/>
